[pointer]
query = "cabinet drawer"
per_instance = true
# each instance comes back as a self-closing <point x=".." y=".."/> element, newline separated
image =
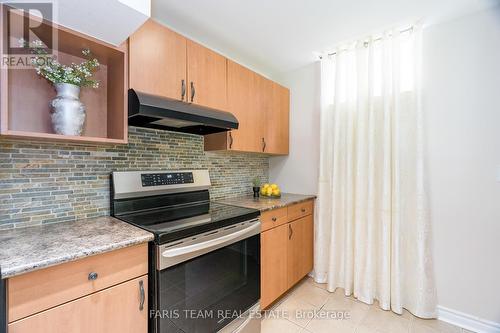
<point x="39" y="290"/>
<point x="113" y="310"/>
<point x="273" y="218"/>
<point x="299" y="210"/>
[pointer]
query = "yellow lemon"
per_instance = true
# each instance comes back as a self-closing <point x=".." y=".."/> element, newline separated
<point x="265" y="186"/>
<point x="269" y="191"/>
<point x="276" y="192"/>
<point x="263" y="191"/>
<point x="274" y="186"/>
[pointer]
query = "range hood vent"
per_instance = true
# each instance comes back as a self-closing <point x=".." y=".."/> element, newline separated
<point x="151" y="111"/>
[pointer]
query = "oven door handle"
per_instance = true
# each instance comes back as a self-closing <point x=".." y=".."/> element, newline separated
<point x="209" y="244"/>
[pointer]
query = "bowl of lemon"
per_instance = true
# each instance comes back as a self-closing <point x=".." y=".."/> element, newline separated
<point x="270" y="191"/>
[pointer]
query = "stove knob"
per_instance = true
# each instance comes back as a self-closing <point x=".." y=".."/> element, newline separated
<point x="93" y="276"/>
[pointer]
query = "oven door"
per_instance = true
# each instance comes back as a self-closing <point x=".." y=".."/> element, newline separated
<point x="205" y="282"/>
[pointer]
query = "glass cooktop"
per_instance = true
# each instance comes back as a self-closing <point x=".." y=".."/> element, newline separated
<point x="173" y="223"/>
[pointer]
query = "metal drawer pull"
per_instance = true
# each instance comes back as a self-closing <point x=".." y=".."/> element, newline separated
<point x="290" y="232"/>
<point x="274" y="219"/>
<point x="193" y="91"/>
<point x="143" y="296"/>
<point x="183" y="89"/>
<point x="263" y="145"/>
<point x="230" y="140"/>
<point x="93" y="276"/>
<point x="303" y="210"/>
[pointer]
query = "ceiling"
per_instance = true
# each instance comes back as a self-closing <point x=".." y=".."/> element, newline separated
<point x="277" y="36"/>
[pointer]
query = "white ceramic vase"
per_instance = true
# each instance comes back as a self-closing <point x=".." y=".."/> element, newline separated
<point x="68" y="113"/>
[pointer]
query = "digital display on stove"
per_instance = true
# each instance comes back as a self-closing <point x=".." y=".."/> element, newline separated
<point x="170" y="178"/>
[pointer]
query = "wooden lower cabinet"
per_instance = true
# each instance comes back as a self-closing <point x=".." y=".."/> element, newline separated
<point x="46" y="288"/>
<point x="299" y="249"/>
<point x="273" y="264"/>
<point x="116" y="309"/>
<point x="286" y="252"/>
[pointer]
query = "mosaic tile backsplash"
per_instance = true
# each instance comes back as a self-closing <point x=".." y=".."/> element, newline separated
<point x="44" y="182"/>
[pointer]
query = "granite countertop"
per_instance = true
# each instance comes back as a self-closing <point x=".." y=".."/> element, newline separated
<point x="27" y="249"/>
<point x="264" y="204"/>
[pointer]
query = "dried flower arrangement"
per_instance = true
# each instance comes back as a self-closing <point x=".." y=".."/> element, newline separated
<point x="49" y="68"/>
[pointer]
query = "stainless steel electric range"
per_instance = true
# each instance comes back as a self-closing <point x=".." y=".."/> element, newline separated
<point x="205" y="260"/>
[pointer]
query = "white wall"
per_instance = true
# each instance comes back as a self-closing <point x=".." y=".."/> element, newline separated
<point x="461" y="73"/>
<point x="298" y="172"/>
<point x="462" y="110"/>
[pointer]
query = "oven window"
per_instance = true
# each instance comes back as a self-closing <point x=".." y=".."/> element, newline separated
<point x="206" y="293"/>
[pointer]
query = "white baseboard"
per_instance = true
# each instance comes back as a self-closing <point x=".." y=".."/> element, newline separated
<point x="467" y="321"/>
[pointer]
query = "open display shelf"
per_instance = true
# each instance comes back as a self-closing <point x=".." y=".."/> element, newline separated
<point x="25" y="96"/>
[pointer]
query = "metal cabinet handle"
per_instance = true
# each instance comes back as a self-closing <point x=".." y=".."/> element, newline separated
<point x="193" y="91"/>
<point x="183" y="89"/>
<point x="230" y="140"/>
<point x="274" y="219"/>
<point x="263" y="145"/>
<point x="93" y="276"/>
<point x="143" y="296"/>
<point x="290" y="231"/>
<point x="303" y="210"/>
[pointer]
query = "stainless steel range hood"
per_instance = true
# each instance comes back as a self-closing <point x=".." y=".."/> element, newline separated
<point x="151" y="111"/>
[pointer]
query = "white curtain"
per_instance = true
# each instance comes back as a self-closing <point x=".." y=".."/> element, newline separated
<point x="373" y="230"/>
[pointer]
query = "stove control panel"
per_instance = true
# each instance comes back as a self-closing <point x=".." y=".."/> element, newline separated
<point x="168" y="178"/>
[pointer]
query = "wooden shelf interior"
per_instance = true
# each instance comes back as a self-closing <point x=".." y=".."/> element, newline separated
<point x="28" y="95"/>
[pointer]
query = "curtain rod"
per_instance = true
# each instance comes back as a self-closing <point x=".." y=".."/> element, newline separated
<point x="375" y="40"/>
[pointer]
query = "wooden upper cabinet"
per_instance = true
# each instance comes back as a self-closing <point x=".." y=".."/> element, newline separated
<point x="207" y="76"/>
<point x="239" y="92"/>
<point x="277" y="131"/>
<point x="241" y="102"/>
<point x="157" y="61"/>
<point x="261" y="107"/>
<point x="164" y="63"/>
<point x="24" y="95"/>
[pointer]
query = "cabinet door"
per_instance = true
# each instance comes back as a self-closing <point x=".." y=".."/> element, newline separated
<point x="277" y="136"/>
<point x="206" y="71"/>
<point x="299" y="249"/>
<point x="261" y="106"/>
<point x="113" y="310"/>
<point x="273" y="264"/>
<point x="240" y="85"/>
<point x="157" y="61"/>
